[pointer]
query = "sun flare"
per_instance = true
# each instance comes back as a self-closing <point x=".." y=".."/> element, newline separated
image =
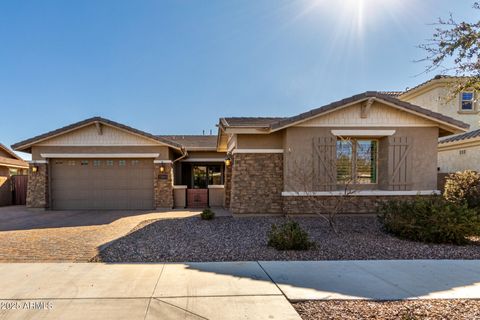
<point x="357" y="16"/>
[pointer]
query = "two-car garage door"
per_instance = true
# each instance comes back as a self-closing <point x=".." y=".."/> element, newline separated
<point x="102" y="183"/>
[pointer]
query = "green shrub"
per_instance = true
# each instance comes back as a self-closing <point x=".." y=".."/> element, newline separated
<point x="207" y="214"/>
<point x="429" y="219"/>
<point x="463" y="188"/>
<point x="289" y="236"/>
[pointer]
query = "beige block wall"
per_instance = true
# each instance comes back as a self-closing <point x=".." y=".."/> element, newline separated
<point x="452" y="161"/>
<point x="216" y="197"/>
<point x="180" y="197"/>
<point x="5" y="187"/>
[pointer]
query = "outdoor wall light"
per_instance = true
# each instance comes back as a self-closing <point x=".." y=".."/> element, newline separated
<point x="228" y="161"/>
<point x="34" y="169"/>
<point x="162" y="169"/>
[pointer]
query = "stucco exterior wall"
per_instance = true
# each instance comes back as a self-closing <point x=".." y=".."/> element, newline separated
<point x="89" y="135"/>
<point x="437" y="99"/>
<point x="192" y="155"/>
<point x="452" y="160"/>
<point x="260" y="141"/>
<point x="423" y="154"/>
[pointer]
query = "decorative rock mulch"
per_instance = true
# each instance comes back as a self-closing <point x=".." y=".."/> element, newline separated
<point x="385" y="310"/>
<point x="240" y="239"/>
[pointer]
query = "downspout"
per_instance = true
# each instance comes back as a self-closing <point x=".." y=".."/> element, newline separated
<point x="184" y="155"/>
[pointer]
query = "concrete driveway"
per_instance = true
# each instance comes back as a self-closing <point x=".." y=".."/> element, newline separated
<point x="30" y="235"/>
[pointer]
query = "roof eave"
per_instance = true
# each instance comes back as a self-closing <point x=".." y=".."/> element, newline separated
<point x="28" y="143"/>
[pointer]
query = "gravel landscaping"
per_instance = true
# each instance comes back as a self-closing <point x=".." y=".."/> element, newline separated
<point x="244" y="239"/>
<point x="405" y="310"/>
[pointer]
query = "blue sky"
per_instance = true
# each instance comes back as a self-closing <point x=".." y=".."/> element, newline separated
<point x="170" y="67"/>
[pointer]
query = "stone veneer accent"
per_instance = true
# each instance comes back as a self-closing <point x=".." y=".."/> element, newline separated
<point x="228" y="185"/>
<point x="163" y="188"/>
<point x="354" y="204"/>
<point x="37" y="188"/>
<point x="257" y="183"/>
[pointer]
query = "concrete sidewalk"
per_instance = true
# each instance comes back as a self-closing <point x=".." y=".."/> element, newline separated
<point x="220" y="290"/>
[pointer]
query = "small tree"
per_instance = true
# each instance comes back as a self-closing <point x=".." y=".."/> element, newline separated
<point x="455" y="43"/>
<point x="304" y="181"/>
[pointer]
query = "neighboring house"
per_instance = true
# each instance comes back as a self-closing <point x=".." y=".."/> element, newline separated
<point x="435" y="94"/>
<point x="10" y="165"/>
<point x="386" y="146"/>
<point x="454" y="153"/>
<point x="459" y="152"/>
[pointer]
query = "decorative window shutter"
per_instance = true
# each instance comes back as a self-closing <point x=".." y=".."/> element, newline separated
<point x="399" y="162"/>
<point x="324" y="163"/>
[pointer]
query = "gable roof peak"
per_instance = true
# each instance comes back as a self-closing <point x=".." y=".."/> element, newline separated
<point x="25" y="144"/>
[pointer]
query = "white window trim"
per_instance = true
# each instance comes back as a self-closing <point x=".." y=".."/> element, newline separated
<point x="474" y="105"/>
<point x="162" y="161"/>
<point x="180" y="186"/>
<point x="37" y="161"/>
<point x="363" y="133"/>
<point x="360" y="193"/>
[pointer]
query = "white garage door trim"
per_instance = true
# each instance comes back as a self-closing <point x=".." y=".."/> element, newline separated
<point x="99" y="155"/>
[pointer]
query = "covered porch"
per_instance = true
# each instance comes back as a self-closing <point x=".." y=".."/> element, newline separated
<point x="199" y="184"/>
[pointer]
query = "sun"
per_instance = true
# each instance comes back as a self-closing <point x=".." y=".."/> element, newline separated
<point x="356" y="17"/>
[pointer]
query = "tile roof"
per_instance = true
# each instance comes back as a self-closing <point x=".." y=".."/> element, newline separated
<point x="363" y="96"/>
<point x="13" y="162"/>
<point x="275" y="123"/>
<point x="461" y="137"/>
<point x="194" y="142"/>
<point x="437" y="77"/>
<point x="25" y="143"/>
<point x="251" y="121"/>
<point x="10" y="152"/>
<point x="391" y="93"/>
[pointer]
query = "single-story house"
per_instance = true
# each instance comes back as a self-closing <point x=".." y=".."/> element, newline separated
<point x="376" y="144"/>
<point x="10" y="165"/>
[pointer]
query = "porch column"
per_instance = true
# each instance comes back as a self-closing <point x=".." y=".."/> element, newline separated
<point x="38" y="188"/>
<point x="163" y="184"/>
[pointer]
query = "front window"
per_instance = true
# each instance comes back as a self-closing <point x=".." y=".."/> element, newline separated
<point x="214" y="175"/>
<point x="357" y="161"/>
<point x="200" y="177"/>
<point x="206" y="175"/>
<point x="467" y="101"/>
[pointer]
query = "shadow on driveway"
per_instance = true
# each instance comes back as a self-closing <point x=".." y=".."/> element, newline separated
<point x="21" y="218"/>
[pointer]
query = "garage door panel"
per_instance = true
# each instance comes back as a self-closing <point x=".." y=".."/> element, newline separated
<point x="102" y="184"/>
